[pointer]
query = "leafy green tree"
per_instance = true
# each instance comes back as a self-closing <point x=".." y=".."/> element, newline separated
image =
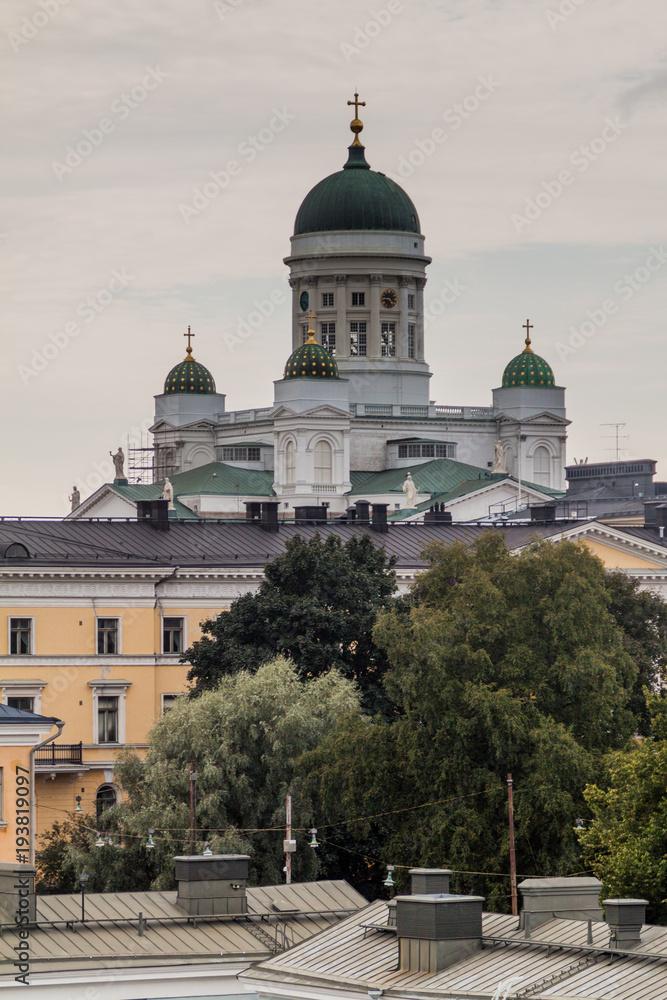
<point x="317" y="605"/>
<point x="504" y="663"/>
<point x="243" y="739"/>
<point x="626" y="842"/>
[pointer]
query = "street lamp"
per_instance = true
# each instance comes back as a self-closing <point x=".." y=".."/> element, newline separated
<point x="83" y="878"/>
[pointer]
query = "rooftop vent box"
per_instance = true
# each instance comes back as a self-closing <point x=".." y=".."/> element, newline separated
<point x="437" y="930"/>
<point x="625" y="918"/>
<point x="566" y="898"/>
<point x="429" y="880"/>
<point x="213" y="884"/>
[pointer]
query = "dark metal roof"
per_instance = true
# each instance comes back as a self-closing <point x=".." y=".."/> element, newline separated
<point x="18" y="717"/>
<point x="226" y="543"/>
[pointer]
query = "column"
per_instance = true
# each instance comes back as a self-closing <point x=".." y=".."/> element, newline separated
<point x="296" y="292"/>
<point x="342" y="326"/>
<point x="402" y="345"/>
<point x="419" y="345"/>
<point x="374" y="344"/>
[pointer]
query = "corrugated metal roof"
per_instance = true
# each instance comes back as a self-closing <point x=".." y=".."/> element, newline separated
<point x="349" y="954"/>
<point x="100" y="943"/>
<point x="438" y="476"/>
<point x="225" y="543"/>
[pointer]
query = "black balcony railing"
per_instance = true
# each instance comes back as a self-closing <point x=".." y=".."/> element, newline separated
<point x="60" y="753"/>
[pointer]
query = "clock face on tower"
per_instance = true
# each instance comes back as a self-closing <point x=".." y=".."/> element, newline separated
<point x="388" y="298"/>
<point x="303" y="301"/>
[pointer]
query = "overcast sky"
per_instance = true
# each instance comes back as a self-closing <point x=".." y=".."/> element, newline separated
<point x="530" y="135"/>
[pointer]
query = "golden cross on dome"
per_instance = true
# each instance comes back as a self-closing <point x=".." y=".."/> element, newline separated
<point x="189" y="336"/>
<point x="357" y="104"/>
<point x="528" y="326"/>
<point x="311" y="332"/>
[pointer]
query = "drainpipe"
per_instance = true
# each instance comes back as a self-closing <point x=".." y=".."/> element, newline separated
<point x="33" y="796"/>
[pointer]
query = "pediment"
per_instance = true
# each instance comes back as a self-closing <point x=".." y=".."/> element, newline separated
<point x="325" y="412"/>
<point x="538" y="419"/>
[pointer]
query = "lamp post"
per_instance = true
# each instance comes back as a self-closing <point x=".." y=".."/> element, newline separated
<point x="83" y="878"/>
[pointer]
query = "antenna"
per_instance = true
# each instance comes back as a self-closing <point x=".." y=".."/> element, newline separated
<point x="617" y="437"/>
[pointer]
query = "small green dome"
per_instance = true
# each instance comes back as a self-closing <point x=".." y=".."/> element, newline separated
<point x="311" y="361"/>
<point x="528" y="368"/>
<point x="189" y="376"/>
<point x="356" y="197"/>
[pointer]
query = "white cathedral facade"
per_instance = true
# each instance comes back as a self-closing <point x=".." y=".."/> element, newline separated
<point x="352" y="413"/>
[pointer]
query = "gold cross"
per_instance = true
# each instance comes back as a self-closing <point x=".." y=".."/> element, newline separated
<point x="357" y="104"/>
<point x="527" y="326"/>
<point x="189" y="336"/>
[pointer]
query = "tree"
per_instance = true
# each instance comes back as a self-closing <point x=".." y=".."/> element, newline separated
<point x="626" y="842"/>
<point x="317" y="605"/>
<point x="504" y="663"/>
<point x="243" y="739"/>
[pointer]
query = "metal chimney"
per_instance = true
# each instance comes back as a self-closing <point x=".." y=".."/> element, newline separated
<point x="566" y="898"/>
<point x="425" y="881"/>
<point x="625" y="918"/>
<point x="436" y="931"/>
<point x="213" y="884"/>
<point x="156" y="512"/>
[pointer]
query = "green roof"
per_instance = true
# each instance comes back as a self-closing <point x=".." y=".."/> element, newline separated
<point x="189" y="377"/>
<point x="438" y="476"/>
<point x="311" y="361"/>
<point x="356" y="197"/>
<point x="215" y="478"/>
<point x="464" y="489"/>
<point x="528" y="368"/>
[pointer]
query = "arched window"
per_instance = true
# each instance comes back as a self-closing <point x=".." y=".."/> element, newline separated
<point x="541" y="466"/>
<point x="323" y="462"/>
<point x="105" y="798"/>
<point x="290" y="462"/>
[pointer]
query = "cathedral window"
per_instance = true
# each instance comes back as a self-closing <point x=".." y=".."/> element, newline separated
<point x="241" y="454"/>
<point x="358" y="298"/>
<point x="388" y="340"/>
<point x="427" y="451"/>
<point x="541" y="466"/>
<point x="358" y="340"/>
<point x="411" y="340"/>
<point x="328" y="337"/>
<point x="290" y="462"/>
<point x="411" y="300"/>
<point x="327" y="299"/>
<point x="304" y="333"/>
<point x="323" y="462"/>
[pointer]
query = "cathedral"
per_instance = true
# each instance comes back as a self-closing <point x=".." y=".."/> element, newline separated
<point x="352" y="413"/>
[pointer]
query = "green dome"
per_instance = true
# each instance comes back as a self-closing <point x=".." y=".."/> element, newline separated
<point x="356" y="198"/>
<point x="311" y="361"/>
<point x="528" y="368"/>
<point x="189" y="376"/>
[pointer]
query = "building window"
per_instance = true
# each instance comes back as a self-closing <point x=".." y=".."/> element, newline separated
<point x="250" y="454"/>
<point x="328" y="337"/>
<point x="327" y="299"/>
<point x="388" y="340"/>
<point x="323" y="462"/>
<point x="107" y="718"/>
<point x="426" y="451"/>
<point x="20" y="636"/>
<point x="304" y="333"/>
<point x="22" y="703"/>
<point x="358" y="339"/>
<point x="168" y="702"/>
<point x="541" y="466"/>
<point x="358" y="298"/>
<point x="107" y="635"/>
<point x="290" y="462"/>
<point x="411" y="300"/>
<point x="104" y="799"/>
<point x="172" y="635"/>
<point x="411" y="340"/>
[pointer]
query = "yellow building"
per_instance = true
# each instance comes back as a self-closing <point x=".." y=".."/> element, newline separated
<point x="98" y="613"/>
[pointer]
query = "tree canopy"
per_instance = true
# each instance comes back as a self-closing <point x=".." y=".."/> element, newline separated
<point x="243" y="739"/>
<point x="504" y="663"/>
<point x="317" y="606"/>
<point x="626" y="842"/>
